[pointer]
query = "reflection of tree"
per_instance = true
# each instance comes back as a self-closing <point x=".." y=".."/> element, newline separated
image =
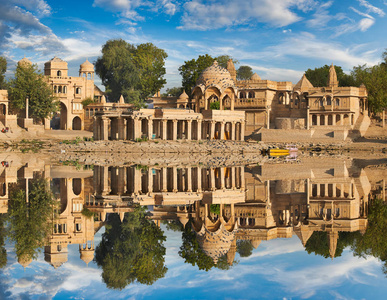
<point x="194" y="255"/>
<point x="244" y="248"/>
<point x="131" y="250"/>
<point x="374" y="241"/>
<point x="174" y="225"/>
<point x="29" y="222"/>
<point x="3" y="252"/>
<point x="318" y="243"/>
<point x="191" y="251"/>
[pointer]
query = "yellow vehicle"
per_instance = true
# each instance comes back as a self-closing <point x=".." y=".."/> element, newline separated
<point x="278" y="152"/>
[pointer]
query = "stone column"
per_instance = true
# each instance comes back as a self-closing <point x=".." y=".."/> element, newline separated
<point x="188" y="136"/>
<point x="174" y="178"/>
<point x="222" y="178"/>
<point x="105" y="130"/>
<point x="307" y="117"/>
<point x="164" y="182"/>
<point x="212" y="130"/>
<point x="174" y="130"/>
<point x="150" y="180"/>
<point x="333" y="119"/>
<point x="233" y="175"/>
<point x="212" y="174"/>
<point x="199" y="178"/>
<point x="233" y="135"/>
<point x="189" y="179"/>
<point x="325" y="120"/>
<point x="137" y="128"/>
<point x="105" y="180"/>
<point x="96" y="129"/>
<point x="242" y="130"/>
<point x="199" y="130"/>
<point x="267" y="118"/>
<point x="150" y="128"/>
<point x="222" y="124"/>
<point x="164" y="129"/>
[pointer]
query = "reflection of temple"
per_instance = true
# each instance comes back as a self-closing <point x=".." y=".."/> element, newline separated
<point x="224" y="204"/>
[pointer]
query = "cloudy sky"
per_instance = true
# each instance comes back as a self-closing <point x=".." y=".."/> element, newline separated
<point x="278" y="39"/>
<point x="277" y="269"/>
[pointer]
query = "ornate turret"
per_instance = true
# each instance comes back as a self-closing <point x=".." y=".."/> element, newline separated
<point x="87" y="252"/>
<point x="182" y="101"/>
<point x="255" y="77"/>
<point x="255" y="243"/>
<point x="121" y="101"/>
<point x="231" y="252"/>
<point x="56" y="67"/>
<point x="85" y="69"/>
<point x="332" y="81"/>
<point x="24" y="260"/>
<point x="231" y="69"/>
<point x="303" y="233"/>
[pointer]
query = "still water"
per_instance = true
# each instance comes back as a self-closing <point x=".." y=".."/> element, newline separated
<point x="313" y="228"/>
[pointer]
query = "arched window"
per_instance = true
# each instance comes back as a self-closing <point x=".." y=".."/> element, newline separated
<point x="321" y="102"/>
<point x="59" y="89"/>
<point x="59" y="248"/>
<point x="55" y="89"/>
<point x="329" y="100"/>
<point x="59" y="73"/>
<point x="78" y="227"/>
<point x="251" y="95"/>
<point x="77" y="90"/>
<point x="337" y="102"/>
<point x="65" y="89"/>
<point x="242" y="95"/>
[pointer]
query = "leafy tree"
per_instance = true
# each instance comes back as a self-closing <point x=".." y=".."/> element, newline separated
<point x="216" y="106"/>
<point x="87" y="101"/>
<point x="174" y="92"/>
<point x="3" y="69"/>
<point x="223" y="59"/>
<point x="30" y="221"/>
<point x="191" y="251"/>
<point x="319" y="76"/>
<point x="29" y="82"/>
<point x="244" y="73"/>
<point x="131" y="251"/>
<point x="244" y="248"/>
<point x="191" y="69"/>
<point x="374" y="241"/>
<point x="134" y="72"/>
<point x="3" y="252"/>
<point x="375" y="80"/>
<point x="318" y="243"/>
<point x="174" y="225"/>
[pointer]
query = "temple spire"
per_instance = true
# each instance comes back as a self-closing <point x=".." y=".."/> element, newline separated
<point x="332" y="81"/>
<point x="231" y="69"/>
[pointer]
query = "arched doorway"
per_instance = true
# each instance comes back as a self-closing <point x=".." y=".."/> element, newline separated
<point x="63" y="116"/>
<point x="77" y="123"/>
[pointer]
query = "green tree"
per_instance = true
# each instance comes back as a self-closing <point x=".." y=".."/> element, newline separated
<point x="29" y="82"/>
<point x="30" y="220"/>
<point x="374" y="241"/>
<point x="3" y="252"/>
<point x="216" y="106"/>
<point x="223" y="59"/>
<point x="3" y="69"/>
<point x="131" y="251"/>
<point x="318" y="243"/>
<point x="319" y="76"/>
<point x="244" y="73"/>
<point x="191" y="69"/>
<point x="174" y="92"/>
<point x="244" y="248"/>
<point x="134" y="72"/>
<point x="375" y="80"/>
<point x="191" y="251"/>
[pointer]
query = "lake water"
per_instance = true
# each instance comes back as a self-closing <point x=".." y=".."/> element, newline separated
<point x="299" y="229"/>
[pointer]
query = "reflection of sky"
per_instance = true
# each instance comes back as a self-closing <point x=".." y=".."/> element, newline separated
<point x="276" y="269"/>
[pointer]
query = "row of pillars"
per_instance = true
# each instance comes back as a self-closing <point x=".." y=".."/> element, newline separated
<point x="135" y="180"/>
<point x="331" y="190"/>
<point x="335" y="119"/>
<point x="136" y="128"/>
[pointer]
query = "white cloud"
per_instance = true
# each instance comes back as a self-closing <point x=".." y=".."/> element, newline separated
<point x="205" y="15"/>
<point x="371" y="8"/>
<point x="366" y="23"/>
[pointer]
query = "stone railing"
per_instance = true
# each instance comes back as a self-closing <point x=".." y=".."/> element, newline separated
<point x="250" y="102"/>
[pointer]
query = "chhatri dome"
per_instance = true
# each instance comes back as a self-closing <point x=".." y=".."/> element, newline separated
<point x="215" y="244"/>
<point x="215" y="76"/>
<point x="24" y="61"/>
<point x="86" y="67"/>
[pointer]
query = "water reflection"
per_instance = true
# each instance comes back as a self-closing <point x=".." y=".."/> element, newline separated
<point x="219" y="211"/>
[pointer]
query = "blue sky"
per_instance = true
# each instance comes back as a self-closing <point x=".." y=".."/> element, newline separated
<point x="277" y="269"/>
<point x="278" y="39"/>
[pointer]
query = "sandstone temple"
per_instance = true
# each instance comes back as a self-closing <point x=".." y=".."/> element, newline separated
<point x="256" y="108"/>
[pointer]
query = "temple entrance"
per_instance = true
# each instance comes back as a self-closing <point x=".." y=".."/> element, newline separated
<point x="63" y="116"/>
